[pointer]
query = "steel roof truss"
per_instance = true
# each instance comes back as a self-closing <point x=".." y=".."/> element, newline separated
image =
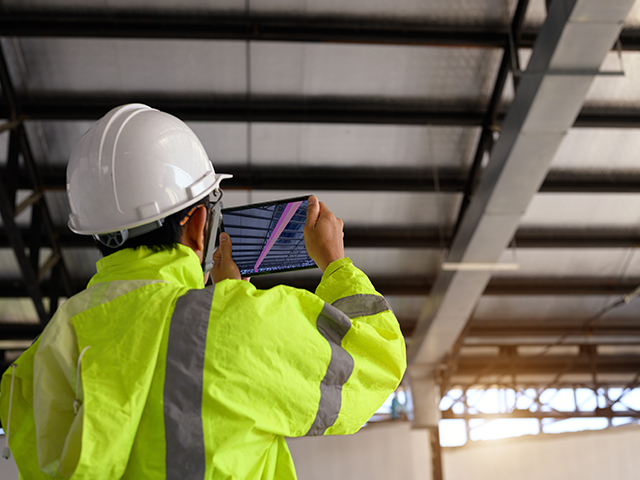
<point x="32" y="272"/>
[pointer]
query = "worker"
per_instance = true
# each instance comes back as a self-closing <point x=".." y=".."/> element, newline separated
<point x="147" y="374"/>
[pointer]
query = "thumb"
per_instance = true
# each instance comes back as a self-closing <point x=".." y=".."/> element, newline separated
<point x="225" y="246"/>
<point x="224" y="267"/>
<point x="313" y="211"/>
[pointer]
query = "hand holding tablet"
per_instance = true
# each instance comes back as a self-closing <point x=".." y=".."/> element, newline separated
<point x="323" y="234"/>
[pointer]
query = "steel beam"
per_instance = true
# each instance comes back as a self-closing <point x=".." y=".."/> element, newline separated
<point x="484" y="367"/>
<point x="485" y="143"/>
<point x="528" y="328"/>
<point x="533" y="333"/>
<point x="401" y="179"/>
<point x="372" y="111"/>
<point x="553" y="286"/>
<point x="19" y="331"/>
<point x="221" y="26"/>
<point x="285" y="177"/>
<point x="29" y="281"/>
<point x="40" y="218"/>
<point x="260" y="27"/>
<point x="598" y="413"/>
<point x="413" y="285"/>
<point x="399" y="237"/>
<point x="390" y="179"/>
<point x="536" y="333"/>
<point x="11" y="173"/>
<point x="576" y="238"/>
<point x="7" y="197"/>
<point x="590" y="182"/>
<point x="236" y="108"/>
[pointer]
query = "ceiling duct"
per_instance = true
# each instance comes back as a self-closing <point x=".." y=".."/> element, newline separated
<point x="566" y="57"/>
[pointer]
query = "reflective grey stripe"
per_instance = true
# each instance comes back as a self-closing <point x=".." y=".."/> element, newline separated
<point x="361" y="305"/>
<point x="184" y="437"/>
<point x="333" y="325"/>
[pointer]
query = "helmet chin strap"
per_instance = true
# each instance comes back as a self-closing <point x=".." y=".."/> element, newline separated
<point x="211" y="242"/>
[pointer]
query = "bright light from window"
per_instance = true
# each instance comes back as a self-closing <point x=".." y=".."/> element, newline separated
<point x="458" y="408"/>
<point x="586" y="399"/>
<point x="486" y="401"/>
<point x="562" y="400"/>
<point x="453" y="433"/>
<point x="525" y="400"/>
<point x="448" y="400"/>
<point x="621" y="421"/>
<point x="503" y="428"/>
<point x="632" y="399"/>
<point x="573" y="424"/>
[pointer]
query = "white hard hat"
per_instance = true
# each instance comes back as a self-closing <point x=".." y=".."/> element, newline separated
<point x="135" y="166"/>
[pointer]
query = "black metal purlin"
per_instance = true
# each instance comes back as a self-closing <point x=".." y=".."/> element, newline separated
<point x="11" y="172"/>
<point x="44" y="216"/>
<point x="34" y="239"/>
<point x="57" y="280"/>
<point x="273" y="28"/>
<point x="401" y="179"/>
<point x="469" y="366"/>
<point x="220" y="26"/>
<point x="540" y="414"/>
<point x="425" y="237"/>
<point x="19" y="331"/>
<point x="392" y="179"/>
<point x="30" y="279"/>
<point x="234" y="108"/>
<point x="497" y="329"/>
<point x="485" y="144"/>
<point x="7" y="202"/>
<point x="377" y="179"/>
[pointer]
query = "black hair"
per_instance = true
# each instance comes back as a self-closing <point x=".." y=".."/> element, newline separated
<point x="167" y="237"/>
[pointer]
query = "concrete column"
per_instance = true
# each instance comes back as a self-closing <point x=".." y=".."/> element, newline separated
<point x="425" y="393"/>
<point x="421" y="465"/>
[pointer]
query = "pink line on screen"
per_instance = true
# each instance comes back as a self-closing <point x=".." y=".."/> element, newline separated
<point x="289" y="211"/>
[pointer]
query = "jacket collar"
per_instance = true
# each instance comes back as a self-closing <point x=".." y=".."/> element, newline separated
<point x="180" y="266"/>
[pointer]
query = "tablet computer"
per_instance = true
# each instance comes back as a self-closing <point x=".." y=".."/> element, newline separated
<point x="267" y="237"/>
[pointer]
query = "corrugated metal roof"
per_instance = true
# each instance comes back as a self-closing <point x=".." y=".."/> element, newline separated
<point x="426" y="58"/>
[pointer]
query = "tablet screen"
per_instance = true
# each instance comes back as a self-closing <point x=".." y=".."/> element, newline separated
<point x="268" y="237"/>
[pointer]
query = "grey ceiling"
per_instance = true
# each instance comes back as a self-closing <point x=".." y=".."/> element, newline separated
<point x="386" y="110"/>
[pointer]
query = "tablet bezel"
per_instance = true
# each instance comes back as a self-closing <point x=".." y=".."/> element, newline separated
<point x="236" y="240"/>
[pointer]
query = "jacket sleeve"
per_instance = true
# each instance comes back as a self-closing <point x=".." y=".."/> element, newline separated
<point x="296" y="363"/>
<point x="21" y="436"/>
<point x="373" y="340"/>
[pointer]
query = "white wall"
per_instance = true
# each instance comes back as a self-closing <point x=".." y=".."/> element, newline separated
<point x="393" y="451"/>
<point x="377" y="452"/>
<point x="8" y="469"/>
<point x="593" y="455"/>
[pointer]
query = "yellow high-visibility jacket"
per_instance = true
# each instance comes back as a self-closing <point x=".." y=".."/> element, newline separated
<point x="149" y="375"/>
